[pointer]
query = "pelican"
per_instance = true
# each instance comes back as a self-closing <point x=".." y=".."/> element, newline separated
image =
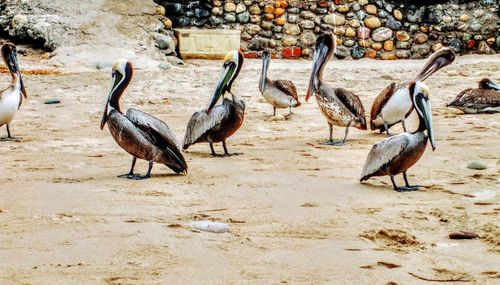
<point x="12" y="96"/>
<point x="138" y="133"/>
<point x="485" y="99"/>
<point x="398" y="153"/>
<point x="278" y="93"/>
<point x="340" y="107"/>
<point x="218" y="122"/>
<point x="394" y="103"/>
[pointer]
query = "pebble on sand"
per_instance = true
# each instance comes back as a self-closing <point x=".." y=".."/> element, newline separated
<point x="209" y="226"/>
<point x="52" y="101"/>
<point x="463" y="235"/>
<point x="477" y="165"/>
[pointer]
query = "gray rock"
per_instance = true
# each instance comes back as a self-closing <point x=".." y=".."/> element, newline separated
<point x="164" y="42"/>
<point x="308" y="38"/>
<point x="455" y="44"/>
<point x="392" y="24"/>
<point x="243" y="17"/>
<point x="342" y="52"/>
<point x="356" y="7"/>
<point x="292" y="18"/>
<point x="420" y="51"/>
<point x="173" y="60"/>
<point x="230" y="18"/>
<point x="164" y="65"/>
<point x="498" y="42"/>
<point x="361" y="15"/>
<point x="477" y="165"/>
<point x="306" y="24"/>
<point x="358" y="52"/>
<point x="383" y="14"/>
<point x="349" y="43"/>
<point x="215" y="21"/>
<point x="102" y="65"/>
<point x="382" y="34"/>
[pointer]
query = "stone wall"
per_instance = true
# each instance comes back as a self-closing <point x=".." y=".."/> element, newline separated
<point x="365" y="28"/>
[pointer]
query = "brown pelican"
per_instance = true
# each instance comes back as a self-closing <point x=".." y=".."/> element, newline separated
<point x="398" y="153"/>
<point x="485" y="99"/>
<point x="394" y="104"/>
<point x="217" y="123"/>
<point x="141" y="135"/>
<point x="278" y="93"/>
<point x="12" y="96"/>
<point x="340" y="107"/>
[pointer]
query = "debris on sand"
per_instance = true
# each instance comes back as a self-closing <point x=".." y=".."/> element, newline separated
<point x="463" y="235"/>
<point x="209" y="226"/>
<point x="477" y="165"/>
<point x="392" y="239"/>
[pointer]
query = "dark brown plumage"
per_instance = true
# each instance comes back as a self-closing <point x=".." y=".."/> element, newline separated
<point x="484" y="99"/>
<point x="138" y="133"/>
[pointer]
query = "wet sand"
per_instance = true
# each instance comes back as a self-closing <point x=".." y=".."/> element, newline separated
<point x="296" y="210"/>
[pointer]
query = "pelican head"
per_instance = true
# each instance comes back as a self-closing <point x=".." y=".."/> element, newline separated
<point x="122" y="72"/>
<point x="485" y="83"/>
<point x="9" y="55"/>
<point x="325" y="47"/>
<point x="420" y="95"/>
<point x="266" y="58"/>
<point x="230" y="70"/>
<point x="436" y="61"/>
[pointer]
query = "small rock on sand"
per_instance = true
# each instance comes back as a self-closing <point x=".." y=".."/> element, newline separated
<point x="209" y="226"/>
<point x="462" y="235"/>
<point x="277" y="118"/>
<point x="477" y="165"/>
<point x="52" y="101"/>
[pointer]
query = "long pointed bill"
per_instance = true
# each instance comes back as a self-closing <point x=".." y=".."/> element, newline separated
<point x="493" y="86"/>
<point x="14" y="67"/>
<point x="425" y="107"/>
<point x="435" y="63"/>
<point x="319" y="58"/>
<point x="113" y="87"/>
<point x="224" y="77"/>
<point x="265" y="64"/>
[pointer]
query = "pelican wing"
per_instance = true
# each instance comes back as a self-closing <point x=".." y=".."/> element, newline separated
<point x="159" y="134"/>
<point x="351" y="101"/>
<point x="380" y="102"/>
<point x="202" y="122"/>
<point x="383" y="153"/>
<point x="287" y="87"/>
<point x="476" y="98"/>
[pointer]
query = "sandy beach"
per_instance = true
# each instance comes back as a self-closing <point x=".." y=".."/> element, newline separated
<point x="296" y="210"/>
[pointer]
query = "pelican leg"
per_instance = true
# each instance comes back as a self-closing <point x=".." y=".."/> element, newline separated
<point x="387" y="129"/>
<point x="289" y="109"/>
<point x="212" y="149"/>
<point x="148" y="174"/>
<point x="408" y="186"/>
<point x="400" y="189"/>
<point x="404" y="125"/>
<point x="274" y="111"/>
<point x="9" y="137"/>
<point x="131" y="174"/>
<point x="226" y="153"/>
<point x="337" y="142"/>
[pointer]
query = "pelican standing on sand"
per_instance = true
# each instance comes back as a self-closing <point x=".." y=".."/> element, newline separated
<point x="138" y="133"/>
<point x="12" y="96"/>
<point x="278" y="93"/>
<point x="217" y="123"/>
<point x="485" y="99"/>
<point x="398" y="153"/>
<point x="340" y="107"/>
<point x="394" y="104"/>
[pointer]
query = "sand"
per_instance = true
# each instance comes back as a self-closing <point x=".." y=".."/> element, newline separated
<point x="296" y="210"/>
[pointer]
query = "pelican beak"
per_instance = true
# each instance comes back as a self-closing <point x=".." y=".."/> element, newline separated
<point x="115" y="81"/>
<point x="225" y="76"/>
<point x="14" y="67"/>
<point x="424" y="105"/>
<point x="437" y="61"/>
<point x="319" y="57"/>
<point x="493" y="86"/>
<point x="265" y="64"/>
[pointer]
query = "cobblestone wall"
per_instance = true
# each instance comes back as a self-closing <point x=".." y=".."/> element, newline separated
<point x="364" y="28"/>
